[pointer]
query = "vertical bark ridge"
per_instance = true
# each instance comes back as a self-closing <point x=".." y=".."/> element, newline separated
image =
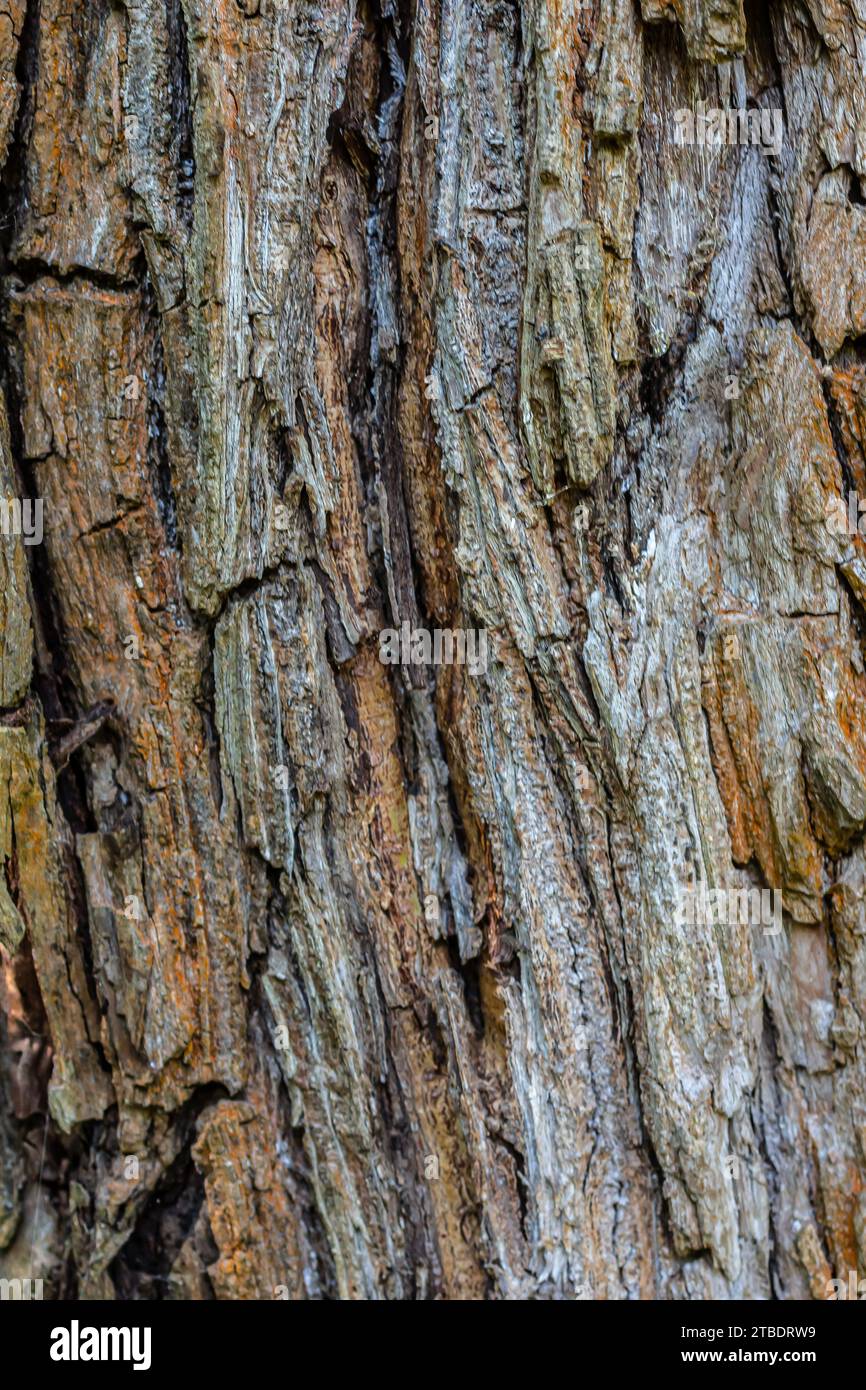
<point x="329" y="978"/>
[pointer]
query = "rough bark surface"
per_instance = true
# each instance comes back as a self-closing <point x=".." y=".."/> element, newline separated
<point x="323" y="978"/>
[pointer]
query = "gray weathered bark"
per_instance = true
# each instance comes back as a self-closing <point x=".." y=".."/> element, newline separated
<point x="329" y="978"/>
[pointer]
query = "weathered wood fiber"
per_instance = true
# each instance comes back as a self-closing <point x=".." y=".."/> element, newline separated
<point x="327" y="978"/>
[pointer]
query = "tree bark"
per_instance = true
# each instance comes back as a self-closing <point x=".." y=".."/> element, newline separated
<point x="324" y="977"/>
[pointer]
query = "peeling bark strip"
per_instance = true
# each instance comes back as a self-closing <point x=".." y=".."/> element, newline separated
<point x="340" y="330"/>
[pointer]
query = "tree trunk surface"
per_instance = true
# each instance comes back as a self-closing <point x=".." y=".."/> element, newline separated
<point x="325" y="326"/>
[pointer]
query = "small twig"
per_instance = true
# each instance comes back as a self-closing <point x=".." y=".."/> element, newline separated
<point x="81" y="732"/>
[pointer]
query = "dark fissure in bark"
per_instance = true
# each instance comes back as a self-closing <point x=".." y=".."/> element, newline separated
<point x="142" y="1268"/>
<point x="182" y="154"/>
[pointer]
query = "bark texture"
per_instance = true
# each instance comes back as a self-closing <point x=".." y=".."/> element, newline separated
<point x="323" y="978"/>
